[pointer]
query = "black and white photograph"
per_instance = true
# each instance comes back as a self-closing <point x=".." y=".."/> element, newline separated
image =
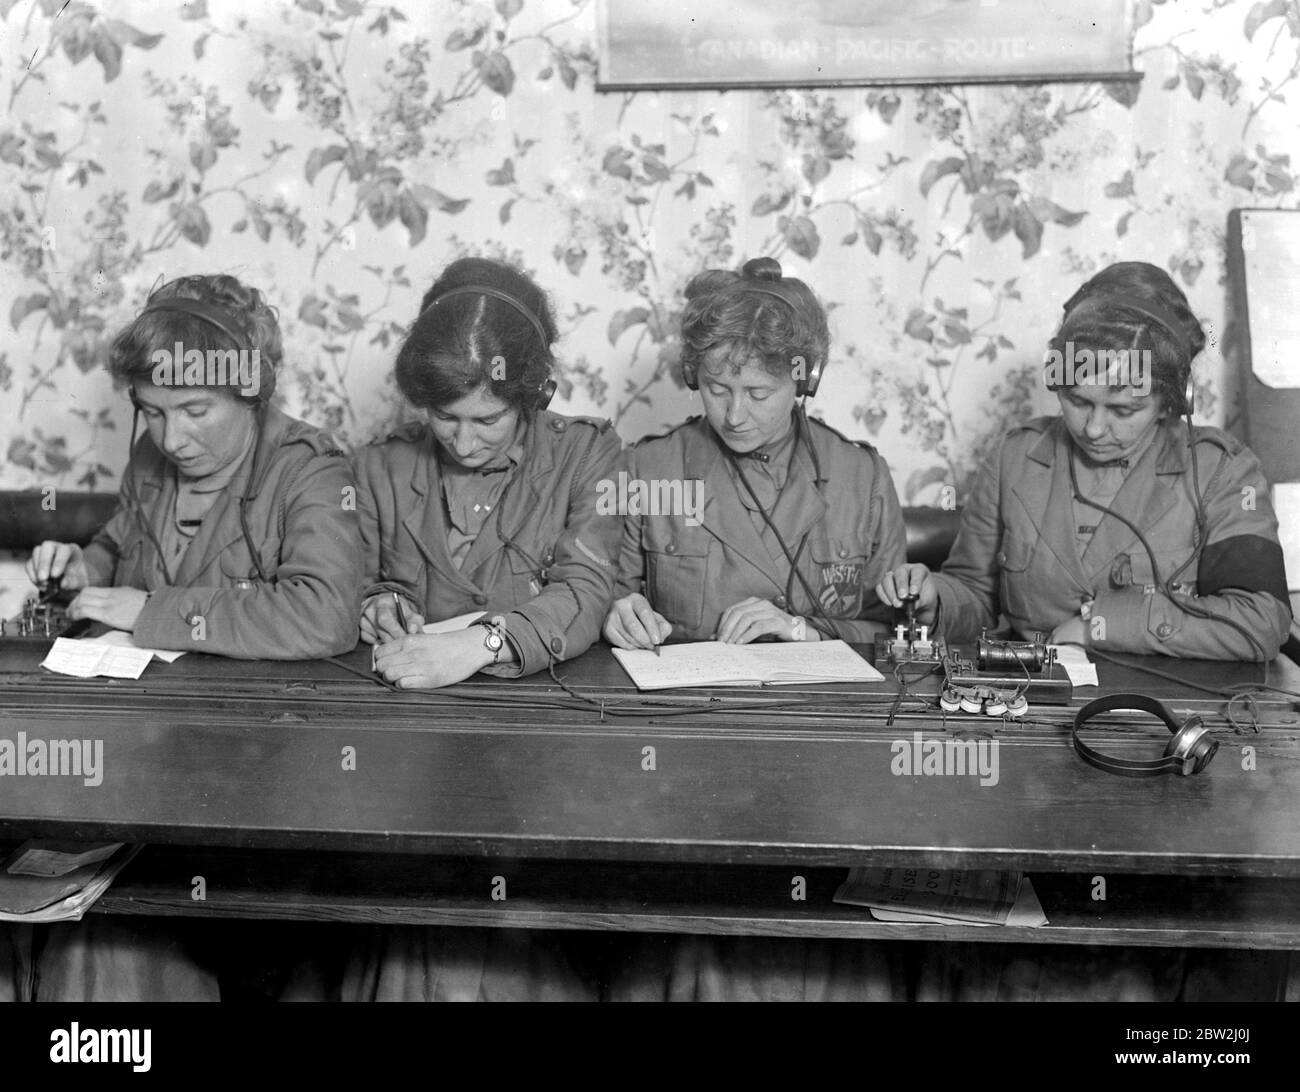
<point x="572" y="500"/>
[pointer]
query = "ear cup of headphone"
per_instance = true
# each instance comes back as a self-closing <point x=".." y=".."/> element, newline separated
<point x="546" y="392"/>
<point x="807" y="387"/>
<point x="1193" y="745"/>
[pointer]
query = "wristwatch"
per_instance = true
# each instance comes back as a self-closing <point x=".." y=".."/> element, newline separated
<point x="494" y="639"/>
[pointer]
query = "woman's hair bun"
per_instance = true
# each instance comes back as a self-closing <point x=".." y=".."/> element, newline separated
<point x="761" y="269"/>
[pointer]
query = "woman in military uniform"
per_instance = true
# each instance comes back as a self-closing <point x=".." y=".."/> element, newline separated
<point x="785" y="526"/>
<point x="488" y="506"/>
<point x="1117" y="525"/>
<point x="1122" y="528"/>
<point x="231" y="537"/>
<point x="793" y="527"/>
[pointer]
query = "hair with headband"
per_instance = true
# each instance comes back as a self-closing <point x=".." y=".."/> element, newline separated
<point x="754" y="315"/>
<point x="1136" y="306"/>
<point x="483" y="324"/>
<point x="213" y="313"/>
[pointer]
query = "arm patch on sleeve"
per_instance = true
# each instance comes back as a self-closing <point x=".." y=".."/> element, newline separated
<point x="1248" y="562"/>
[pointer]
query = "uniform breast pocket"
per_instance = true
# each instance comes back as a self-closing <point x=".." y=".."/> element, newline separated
<point x="1013" y="564"/>
<point x="677" y="568"/>
<point x="841" y="575"/>
<point x="529" y="571"/>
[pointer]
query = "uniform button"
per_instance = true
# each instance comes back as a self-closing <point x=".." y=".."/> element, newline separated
<point x="549" y="559"/>
<point x="480" y="599"/>
<point x="1002" y="559"/>
<point x="557" y="645"/>
<point x="193" y="620"/>
<point x="1164" y="629"/>
<point x="557" y="424"/>
<point x="671" y="548"/>
<point x="842" y="552"/>
<point x="780" y="600"/>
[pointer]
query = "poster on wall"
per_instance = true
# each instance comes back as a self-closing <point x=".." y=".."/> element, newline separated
<point x="756" y="43"/>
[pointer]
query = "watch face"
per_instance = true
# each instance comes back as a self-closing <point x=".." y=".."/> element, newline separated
<point x="492" y="641"/>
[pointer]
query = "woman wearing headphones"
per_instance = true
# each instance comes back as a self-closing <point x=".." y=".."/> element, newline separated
<point x="1122" y="528"/>
<point x="1117" y="525"/>
<point x="793" y="525"/>
<point x="793" y="528"/>
<point x="489" y="505"/>
<point x="232" y="536"/>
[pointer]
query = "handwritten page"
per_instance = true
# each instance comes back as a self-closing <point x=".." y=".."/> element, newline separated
<point x="87" y="659"/>
<point x="1074" y="660"/>
<point x="712" y="663"/>
<point x="122" y="639"/>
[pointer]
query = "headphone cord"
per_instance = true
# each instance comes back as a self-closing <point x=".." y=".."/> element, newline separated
<point x="795" y="571"/>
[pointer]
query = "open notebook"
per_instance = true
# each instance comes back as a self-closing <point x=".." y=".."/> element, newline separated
<point x="711" y="663"/>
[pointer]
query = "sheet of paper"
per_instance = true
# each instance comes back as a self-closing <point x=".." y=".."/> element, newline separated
<point x="452" y="625"/>
<point x="970" y="897"/>
<point x="1286" y="503"/>
<point x="122" y="639"/>
<point x="71" y="657"/>
<point x="41" y="858"/>
<point x="1074" y="660"/>
<point x="823" y="658"/>
<point x="1027" y="913"/>
<point x="86" y="659"/>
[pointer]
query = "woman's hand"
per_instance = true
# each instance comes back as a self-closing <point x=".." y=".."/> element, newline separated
<point x="58" y="559"/>
<point x="753" y="618"/>
<point x="380" y="623"/>
<point x="425" y="661"/>
<point x="633" y="623"/>
<point x="1073" y="631"/>
<point x="116" y="607"/>
<point x="906" y="581"/>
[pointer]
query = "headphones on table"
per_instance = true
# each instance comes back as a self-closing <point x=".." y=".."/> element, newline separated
<point x="546" y="389"/>
<point x="1188" y="752"/>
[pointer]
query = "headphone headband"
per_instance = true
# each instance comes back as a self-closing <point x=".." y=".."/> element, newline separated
<point x="1189" y="750"/>
<point x="496" y="294"/>
<point x="212" y="314"/>
<point x="1147" y="308"/>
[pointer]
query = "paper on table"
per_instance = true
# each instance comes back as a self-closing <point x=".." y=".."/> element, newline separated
<point x="119" y="638"/>
<point x="452" y="625"/>
<point x="1081" y="670"/>
<point x="85" y="660"/>
<point x="982" y="896"/>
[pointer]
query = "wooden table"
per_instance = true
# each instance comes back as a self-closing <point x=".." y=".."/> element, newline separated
<point x="302" y="790"/>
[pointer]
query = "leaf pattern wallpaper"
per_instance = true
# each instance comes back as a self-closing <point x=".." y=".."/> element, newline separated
<point x="337" y="154"/>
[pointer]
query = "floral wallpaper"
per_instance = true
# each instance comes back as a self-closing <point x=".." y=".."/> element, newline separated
<point x="338" y="153"/>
